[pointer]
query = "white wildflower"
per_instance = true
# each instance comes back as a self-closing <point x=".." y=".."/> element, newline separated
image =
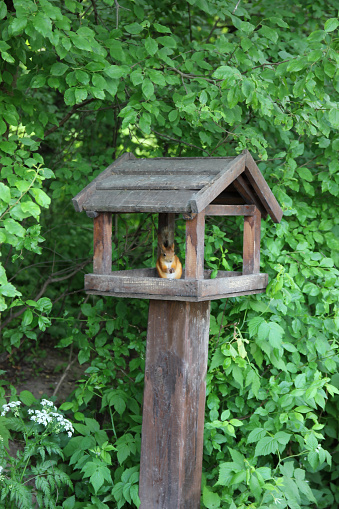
<point x="11" y="405"/>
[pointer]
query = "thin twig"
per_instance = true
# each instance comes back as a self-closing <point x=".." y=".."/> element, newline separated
<point x="48" y="281"/>
<point x="67" y="117"/>
<point x="117" y="7"/>
<point x="179" y="141"/>
<point x="190" y="20"/>
<point x="62" y="378"/>
<point x="236" y="7"/>
<point x="95" y="11"/>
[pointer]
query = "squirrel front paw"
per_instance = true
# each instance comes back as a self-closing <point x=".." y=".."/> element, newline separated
<point x="171" y="271"/>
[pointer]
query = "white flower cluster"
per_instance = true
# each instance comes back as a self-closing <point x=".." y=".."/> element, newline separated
<point x="48" y="418"/>
<point x="9" y="406"/>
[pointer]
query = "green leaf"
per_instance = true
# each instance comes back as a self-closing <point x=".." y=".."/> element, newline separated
<point x="5" y="193"/>
<point x="27" y="398"/>
<point x="97" y="480"/>
<point x="334" y="117"/>
<point x="265" y="446"/>
<point x="256" y="435"/>
<point x="58" y="69"/>
<point x="42" y="24"/>
<point x="151" y="46"/>
<point x="8" y="146"/>
<point x="269" y="33"/>
<point x="147" y="88"/>
<point x="161" y="28"/>
<point x="38" y="81"/>
<point x="115" y="71"/>
<point x="27" y="318"/>
<point x="80" y="94"/>
<point x="331" y="24"/>
<point x="275" y="335"/>
<point x="167" y="41"/>
<point x="41" y="197"/>
<point x="17" y="25"/>
<point x="14" y="228"/>
<point x="70" y="96"/>
<point x="225" y="71"/>
<point x="211" y="500"/>
<point x="69" y="503"/>
<point x="3" y="10"/>
<point x="254" y="324"/>
<point x="133" y="28"/>
<point x="282" y="437"/>
<point x="99" y="81"/>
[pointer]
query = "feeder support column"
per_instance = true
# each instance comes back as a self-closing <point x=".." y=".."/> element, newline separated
<point x="174" y="394"/>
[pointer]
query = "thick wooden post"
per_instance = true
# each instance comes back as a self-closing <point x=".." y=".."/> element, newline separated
<point x="175" y="389"/>
<point x="174" y="405"/>
<point x="102" y="238"/>
<point x="251" y="246"/>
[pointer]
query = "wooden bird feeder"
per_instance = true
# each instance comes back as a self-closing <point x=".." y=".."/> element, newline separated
<point x="179" y="313"/>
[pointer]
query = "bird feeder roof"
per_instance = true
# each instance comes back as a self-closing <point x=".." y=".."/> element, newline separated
<point x="178" y="185"/>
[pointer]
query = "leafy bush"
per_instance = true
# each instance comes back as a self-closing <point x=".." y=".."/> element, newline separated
<point x="83" y="82"/>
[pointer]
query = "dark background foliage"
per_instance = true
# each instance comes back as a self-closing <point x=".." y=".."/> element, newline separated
<point x="83" y="82"/>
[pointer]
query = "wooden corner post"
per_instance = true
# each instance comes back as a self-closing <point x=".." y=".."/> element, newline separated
<point x="251" y="246"/>
<point x="174" y="394"/>
<point x="102" y="243"/>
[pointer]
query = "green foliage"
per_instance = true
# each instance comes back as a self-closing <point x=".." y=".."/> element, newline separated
<point x="83" y="82"/>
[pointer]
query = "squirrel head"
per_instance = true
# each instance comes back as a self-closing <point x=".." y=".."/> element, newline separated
<point x="167" y="252"/>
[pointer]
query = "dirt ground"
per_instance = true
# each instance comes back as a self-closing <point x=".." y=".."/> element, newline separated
<point x="41" y="375"/>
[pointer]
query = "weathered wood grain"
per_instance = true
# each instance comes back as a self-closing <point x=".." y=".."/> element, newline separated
<point x="102" y="243"/>
<point x="140" y="201"/>
<point x="173" y="165"/>
<point x="245" y="189"/>
<point x="194" y="260"/>
<point x="82" y="197"/>
<point x="140" y="285"/>
<point x="262" y="189"/>
<point x="233" y="168"/>
<point x="174" y="405"/>
<point x="251" y="244"/>
<point x="174" y="297"/>
<point x="153" y="287"/>
<point x="148" y="181"/>
<point x="231" y="285"/>
<point x="230" y="210"/>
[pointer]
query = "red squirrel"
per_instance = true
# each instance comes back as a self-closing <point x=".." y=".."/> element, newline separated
<point x="168" y="264"/>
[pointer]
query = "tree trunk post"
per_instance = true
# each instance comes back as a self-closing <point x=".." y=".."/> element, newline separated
<point x="174" y="394"/>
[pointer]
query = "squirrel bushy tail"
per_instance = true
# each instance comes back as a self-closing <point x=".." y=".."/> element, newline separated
<point x="166" y="237"/>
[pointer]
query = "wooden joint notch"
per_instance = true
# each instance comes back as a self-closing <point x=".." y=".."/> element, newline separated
<point x="92" y="214"/>
<point x="188" y="216"/>
<point x="102" y="243"/>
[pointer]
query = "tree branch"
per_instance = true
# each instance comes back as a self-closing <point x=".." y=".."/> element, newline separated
<point x="67" y="117"/>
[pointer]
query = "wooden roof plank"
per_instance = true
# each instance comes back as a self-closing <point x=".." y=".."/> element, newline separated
<point x="139" y="201"/>
<point x="79" y="200"/>
<point x="155" y="182"/>
<point x="262" y="189"/>
<point x="226" y="176"/>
